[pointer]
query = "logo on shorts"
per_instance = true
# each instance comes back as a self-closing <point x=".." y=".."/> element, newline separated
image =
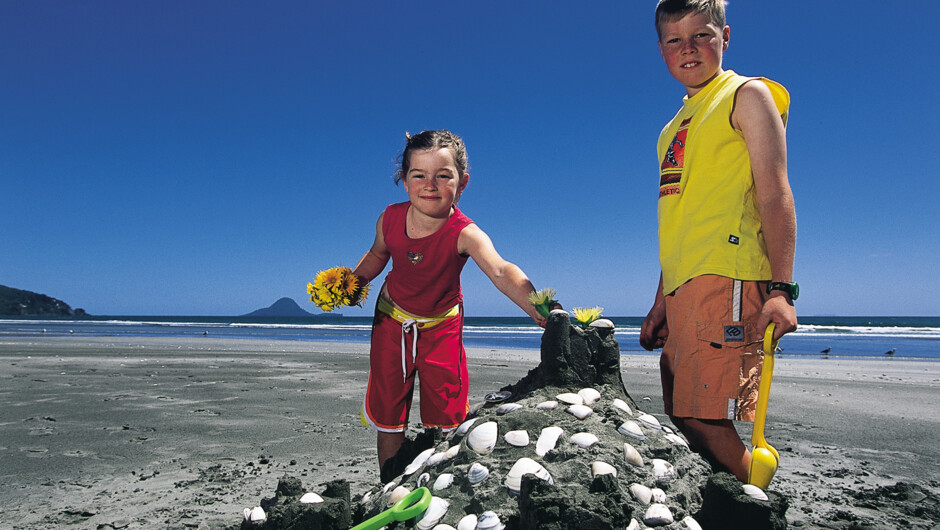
<point x="734" y="333"/>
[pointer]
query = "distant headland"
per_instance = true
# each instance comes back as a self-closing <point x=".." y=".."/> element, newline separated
<point x="285" y="307"/>
<point x="17" y="302"/>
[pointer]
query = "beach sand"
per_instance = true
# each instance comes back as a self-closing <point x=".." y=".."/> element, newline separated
<point x="186" y="433"/>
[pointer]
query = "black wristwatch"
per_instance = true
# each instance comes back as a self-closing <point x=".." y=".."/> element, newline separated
<point x="791" y="288"/>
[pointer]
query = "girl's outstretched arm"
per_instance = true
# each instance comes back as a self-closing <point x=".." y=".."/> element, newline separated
<point x="507" y="277"/>
<point x="374" y="261"/>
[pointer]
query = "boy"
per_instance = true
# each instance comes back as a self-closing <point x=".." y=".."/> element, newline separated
<point x="727" y="232"/>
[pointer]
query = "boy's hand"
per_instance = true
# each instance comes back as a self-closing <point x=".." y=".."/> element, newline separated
<point x="779" y="310"/>
<point x="655" y="330"/>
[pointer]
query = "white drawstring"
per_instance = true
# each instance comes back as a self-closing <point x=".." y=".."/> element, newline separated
<point x="408" y="326"/>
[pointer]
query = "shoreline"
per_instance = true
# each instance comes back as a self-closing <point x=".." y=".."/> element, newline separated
<point x="142" y="432"/>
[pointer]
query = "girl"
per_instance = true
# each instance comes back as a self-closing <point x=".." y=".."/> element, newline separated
<point x="419" y="312"/>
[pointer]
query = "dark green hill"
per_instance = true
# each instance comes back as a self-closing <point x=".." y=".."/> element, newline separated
<point x="285" y="307"/>
<point x="17" y="302"/>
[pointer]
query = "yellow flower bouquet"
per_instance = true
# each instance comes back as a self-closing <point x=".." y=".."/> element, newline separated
<point x="337" y="287"/>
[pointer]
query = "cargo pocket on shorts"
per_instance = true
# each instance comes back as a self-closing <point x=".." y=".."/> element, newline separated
<point x="729" y="367"/>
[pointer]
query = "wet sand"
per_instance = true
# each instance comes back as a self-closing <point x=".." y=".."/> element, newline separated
<point x="186" y="433"/>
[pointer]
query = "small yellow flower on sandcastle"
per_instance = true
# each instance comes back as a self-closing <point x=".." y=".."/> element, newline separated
<point x="337" y="287"/>
<point x="585" y="316"/>
<point x="543" y="301"/>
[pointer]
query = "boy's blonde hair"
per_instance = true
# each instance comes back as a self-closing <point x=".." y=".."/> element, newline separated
<point x="669" y="10"/>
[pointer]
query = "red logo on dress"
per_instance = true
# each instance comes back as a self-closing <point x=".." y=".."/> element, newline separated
<point x="670" y="171"/>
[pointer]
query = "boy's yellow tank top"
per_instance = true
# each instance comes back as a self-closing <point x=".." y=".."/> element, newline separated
<point x="708" y="217"/>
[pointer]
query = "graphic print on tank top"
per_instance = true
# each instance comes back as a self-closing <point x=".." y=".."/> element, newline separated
<point x="670" y="171"/>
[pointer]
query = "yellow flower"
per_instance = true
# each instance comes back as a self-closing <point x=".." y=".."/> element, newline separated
<point x="585" y="316"/>
<point x="336" y="287"/>
<point x="331" y="278"/>
<point x="350" y="284"/>
<point x="542" y="297"/>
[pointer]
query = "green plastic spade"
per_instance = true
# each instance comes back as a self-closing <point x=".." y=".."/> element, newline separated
<point x="408" y="507"/>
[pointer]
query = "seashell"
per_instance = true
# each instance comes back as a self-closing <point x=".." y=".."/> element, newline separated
<point x="476" y="407"/>
<point x="433" y="514"/>
<point x="255" y="515"/>
<point x="388" y="487"/>
<point x="631" y="429"/>
<point x="622" y="405"/>
<point x="506" y="408"/>
<point x="468" y="522"/>
<point x="423" y="479"/>
<point x="547" y="405"/>
<point x="691" y="523"/>
<point x="547" y="440"/>
<point x="477" y="473"/>
<point x="658" y="495"/>
<point x="602" y="323"/>
<point x="580" y="411"/>
<point x="558" y="312"/>
<point x="649" y="420"/>
<point x="482" y="439"/>
<point x="676" y="439"/>
<point x="443" y="527"/>
<point x="436" y="458"/>
<point x="570" y="398"/>
<point x="754" y="492"/>
<point x="602" y="468"/>
<point x="517" y="438"/>
<point x="658" y="515"/>
<point x="465" y="426"/>
<point x="641" y="493"/>
<point x="443" y="481"/>
<point x="663" y="469"/>
<point x="632" y="456"/>
<point x="525" y="466"/>
<point x="489" y="521"/>
<point x="633" y="525"/>
<point x="452" y="452"/>
<point x="311" y="498"/>
<point x="584" y="439"/>
<point x="589" y="395"/>
<point x="398" y="494"/>
<point x="419" y="461"/>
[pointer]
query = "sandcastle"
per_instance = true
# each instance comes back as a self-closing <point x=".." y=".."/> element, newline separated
<point x="565" y="447"/>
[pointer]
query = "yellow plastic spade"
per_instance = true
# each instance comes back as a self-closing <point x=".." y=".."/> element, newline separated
<point x="764" y="458"/>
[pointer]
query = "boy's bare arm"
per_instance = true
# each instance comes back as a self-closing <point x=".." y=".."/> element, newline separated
<point x="507" y="277"/>
<point x="655" y="329"/>
<point x="375" y="260"/>
<point x="757" y="117"/>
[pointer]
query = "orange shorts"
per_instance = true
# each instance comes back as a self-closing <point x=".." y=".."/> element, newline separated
<point x="711" y="362"/>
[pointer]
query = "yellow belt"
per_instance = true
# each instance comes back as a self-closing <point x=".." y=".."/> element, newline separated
<point x="411" y="323"/>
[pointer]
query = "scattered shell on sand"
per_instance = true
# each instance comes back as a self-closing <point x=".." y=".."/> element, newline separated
<point x="477" y="473"/>
<point x="506" y="408"/>
<point x="622" y="405"/>
<point x="547" y="405"/>
<point x="452" y="452"/>
<point x="589" y="395"/>
<point x="311" y="498"/>
<point x="658" y="515"/>
<point x="443" y="481"/>
<point x="649" y="420"/>
<point x="632" y="456"/>
<point x="676" y="439"/>
<point x="388" y="487"/>
<point x="663" y="469"/>
<point x="584" y="439"/>
<point x="525" y="466"/>
<point x="255" y="515"/>
<point x="443" y="527"/>
<point x="754" y="492"/>
<point x="468" y="522"/>
<point x="433" y="514"/>
<point x="658" y="495"/>
<point x="580" y="411"/>
<point x="489" y="521"/>
<point x="517" y="438"/>
<point x="602" y="323"/>
<point x="482" y="439"/>
<point x="632" y="429"/>
<point x="602" y="468"/>
<point x="547" y="440"/>
<point x="465" y="426"/>
<point x="691" y="523"/>
<point x="419" y="461"/>
<point x="641" y="493"/>
<point x="570" y="398"/>
<point x="398" y="494"/>
<point x="423" y="479"/>
<point x="436" y="458"/>
<point x="634" y="525"/>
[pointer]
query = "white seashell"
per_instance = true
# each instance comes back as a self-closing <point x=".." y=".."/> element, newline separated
<point x="547" y="440"/>
<point x="255" y="515"/>
<point x="517" y="438"/>
<point x="419" y="461"/>
<point x="589" y="395"/>
<point x="754" y="492"/>
<point x="570" y="398"/>
<point x="247" y="513"/>
<point x="489" y="521"/>
<point x="676" y="439"/>
<point x="622" y="405"/>
<point x="398" y="494"/>
<point x="580" y="411"/>
<point x="691" y="523"/>
<point x="649" y="420"/>
<point x="311" y="498"/>
<point x="443" y="481"/>
<point x="423" y="479"/>
<point x="558" y="312"/>
<point x="633" y="525"/>
<point x="525" y="466"/>
<point x="465" y="426"/>
<point x="658" y="495"/>
<point x="506" y="408"/>
<point x="435" y="459"/>
<point x="433" y="514"/>
<point x="584" y="439"/>
<point x="452" y="452"/>
<point x="547" y="405"/>
<point x="632" y="456"/>
<point x="388" y="487"/>
<point x="602" y="323"/>
<point x="602" y="468"/>
<point x="443" y="527"/>
<point x="468" y="522"/>
<point x="477" y="473"/>
<point x="663" y="469"/>
<point x="658" y="515"/>
<point x="641" y="493"/>
<point x="482" y="439"/>
<point x="631" y="429"/>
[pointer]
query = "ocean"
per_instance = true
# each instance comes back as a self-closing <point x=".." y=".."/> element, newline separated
<point x="857" y="337"/>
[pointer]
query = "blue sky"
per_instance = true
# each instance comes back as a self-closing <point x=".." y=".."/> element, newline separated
<point x="207" y="158"/>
